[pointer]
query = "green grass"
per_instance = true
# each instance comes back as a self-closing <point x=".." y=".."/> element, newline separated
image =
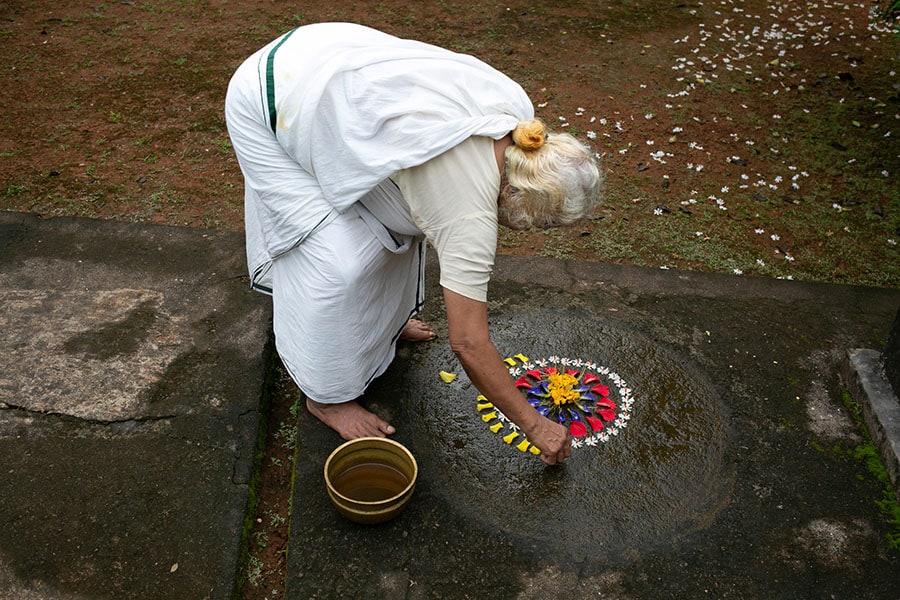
<point x="868" y="455"/>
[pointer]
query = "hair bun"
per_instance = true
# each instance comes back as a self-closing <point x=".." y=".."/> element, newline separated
<point x="529" y="135"/>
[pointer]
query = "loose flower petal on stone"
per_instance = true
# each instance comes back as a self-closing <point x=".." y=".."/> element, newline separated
<point x="595" y="423"/>
<point x="600" y="389"/>
<point x="578" y="429"/>
<point x="607" y="414"/>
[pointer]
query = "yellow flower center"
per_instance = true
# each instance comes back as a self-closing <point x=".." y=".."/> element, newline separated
<point x="561" y="388"/>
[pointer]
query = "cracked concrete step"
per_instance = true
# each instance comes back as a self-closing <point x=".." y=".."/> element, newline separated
<point x="133" y="371"/>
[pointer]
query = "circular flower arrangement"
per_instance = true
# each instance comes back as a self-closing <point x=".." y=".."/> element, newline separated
<point x="572" y="392"/>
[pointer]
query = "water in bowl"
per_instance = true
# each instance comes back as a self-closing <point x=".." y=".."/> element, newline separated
<point x="370" y="482"/>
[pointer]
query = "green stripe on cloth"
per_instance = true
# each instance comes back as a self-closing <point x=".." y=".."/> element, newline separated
<point x="270" y="80"/>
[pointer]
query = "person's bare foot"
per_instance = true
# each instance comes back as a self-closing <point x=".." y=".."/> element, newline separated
<point x="350" y="420"/>
<point x="417" y="331"/>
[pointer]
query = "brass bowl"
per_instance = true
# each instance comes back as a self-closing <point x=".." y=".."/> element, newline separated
<point x="370" y="480"/>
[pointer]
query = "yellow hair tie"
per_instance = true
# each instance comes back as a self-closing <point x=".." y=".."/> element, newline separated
<point x="529" y="135"/>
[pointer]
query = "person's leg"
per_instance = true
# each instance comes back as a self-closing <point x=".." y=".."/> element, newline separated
<point x="340" y="302"/>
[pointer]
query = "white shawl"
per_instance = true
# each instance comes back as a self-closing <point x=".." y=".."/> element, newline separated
<point x="354" y="105"/>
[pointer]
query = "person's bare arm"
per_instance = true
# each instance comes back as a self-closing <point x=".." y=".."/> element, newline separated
<point x="470" y="341"/>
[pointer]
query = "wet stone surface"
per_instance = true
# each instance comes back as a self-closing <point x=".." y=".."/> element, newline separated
<point x="134" y="362"/>
<point x="95" y="338"/>
<point x="736" y="476"/>
<point x="656" y="479"/>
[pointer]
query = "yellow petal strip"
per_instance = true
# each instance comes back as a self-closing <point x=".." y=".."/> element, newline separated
<point x="484" y="406"/>
<point x="523" y="445"/>
<point x="522" y="358"/>
<point x="535" y="450"/>
<point x="489" y="417"/>
<point x="497" y="426"/>
<point x="509" y="438"/>
<point x="510" y="362"/>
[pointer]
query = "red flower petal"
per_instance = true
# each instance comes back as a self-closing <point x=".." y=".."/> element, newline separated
<point x="607" y="415"/>
<point x="550" y="371"/>
<point x="600" y="389"/>
<point x="571" y="372"/>
<point x="578" y="429"/>
<point x="534" y="373"/>
<point x="606" y="402"/>
<point x="595" y="423"/>
<point x="522" y="382"/>
<point x="589" y="378"/>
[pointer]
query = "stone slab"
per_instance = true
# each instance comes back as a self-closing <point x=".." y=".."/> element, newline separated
<point x="881" y="409"/>
<point x="770" y="500"/>
<point x="134" y="362"/>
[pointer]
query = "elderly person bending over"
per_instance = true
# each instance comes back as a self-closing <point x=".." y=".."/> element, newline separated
<point x="357" y="147"/>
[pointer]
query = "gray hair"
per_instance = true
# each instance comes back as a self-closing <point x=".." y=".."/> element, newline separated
<point x="556" y="183"/>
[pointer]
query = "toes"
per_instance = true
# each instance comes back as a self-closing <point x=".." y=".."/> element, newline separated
<point x="417" y="331"/>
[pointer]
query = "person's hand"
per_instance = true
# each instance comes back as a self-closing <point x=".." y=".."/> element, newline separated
<point x="552" y="439"/>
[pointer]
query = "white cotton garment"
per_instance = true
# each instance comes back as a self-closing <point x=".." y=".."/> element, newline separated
<point x="320" y="119"/>
<point x="350" y="106"/>
<point x="341" y="300"/>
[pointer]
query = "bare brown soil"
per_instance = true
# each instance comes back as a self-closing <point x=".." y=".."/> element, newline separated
<point x="755" y="137"/>
<point x="719" y="124"/>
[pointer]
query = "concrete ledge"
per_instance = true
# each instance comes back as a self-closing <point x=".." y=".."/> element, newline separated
<point x="864" y="373"/>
